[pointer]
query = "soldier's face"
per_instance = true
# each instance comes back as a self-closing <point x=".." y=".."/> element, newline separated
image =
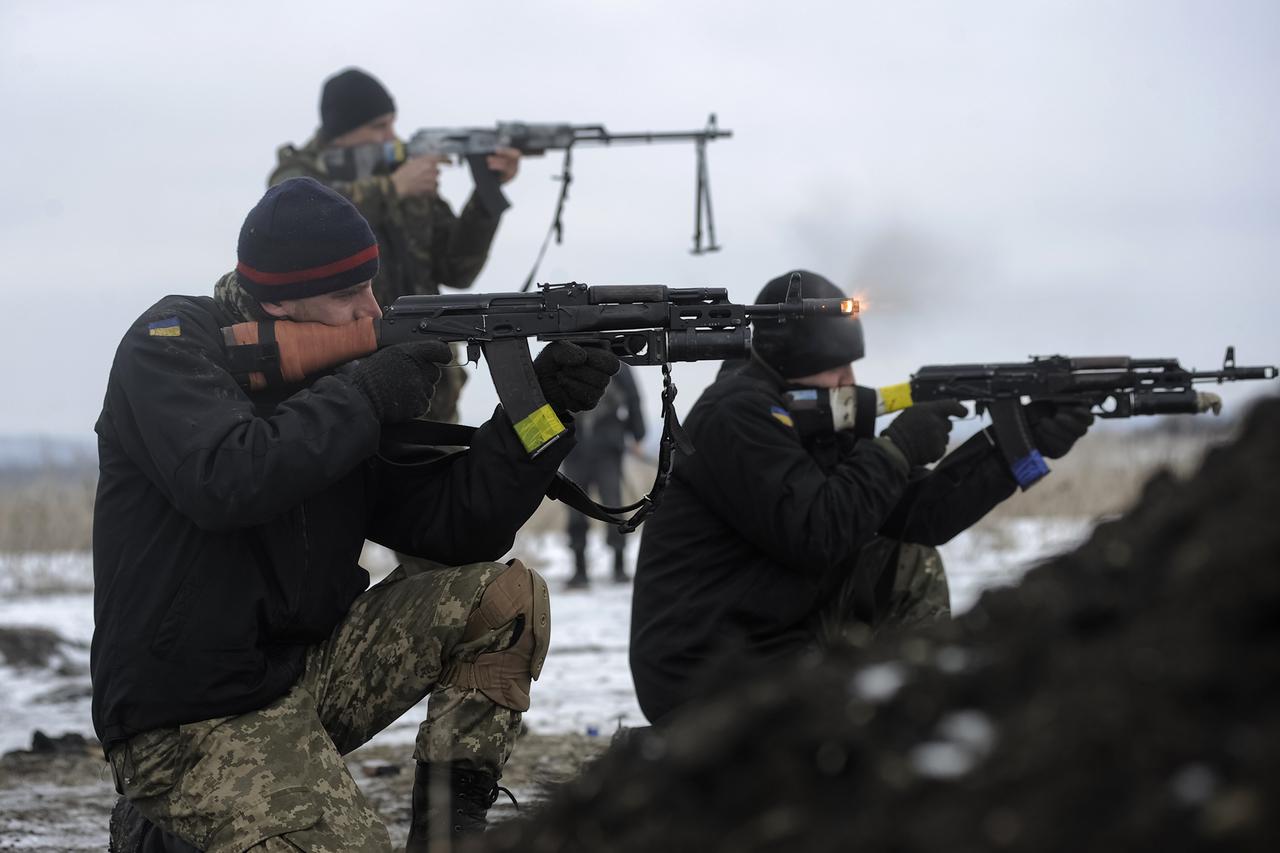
<point x="332" y="309"/>
<point x="381" y="129"/>
<point x="836" y="377"/>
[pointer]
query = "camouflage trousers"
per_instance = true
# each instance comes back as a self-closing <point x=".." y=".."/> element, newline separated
<point x="274" y="779"/>
<point x="893" y="585"/>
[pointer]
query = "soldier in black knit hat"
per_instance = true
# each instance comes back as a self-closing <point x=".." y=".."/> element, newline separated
<point x="424" y="245"/>
<point x="782" y="532"/>
<point x="238" y="650"/>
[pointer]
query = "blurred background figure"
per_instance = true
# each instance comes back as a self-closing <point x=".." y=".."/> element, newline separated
<point x="422" y="244"/>
<point x="597" y="461"/>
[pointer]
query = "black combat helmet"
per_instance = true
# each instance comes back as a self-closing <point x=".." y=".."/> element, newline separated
<point x="805" y="347"/>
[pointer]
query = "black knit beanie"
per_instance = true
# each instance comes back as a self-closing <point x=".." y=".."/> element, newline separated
<point x="805" y="347"/>
<point x="303" y="239"/>
<point x="349" y="99"/>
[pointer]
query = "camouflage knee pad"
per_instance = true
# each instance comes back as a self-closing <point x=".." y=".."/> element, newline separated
<point x="517" y="597"/>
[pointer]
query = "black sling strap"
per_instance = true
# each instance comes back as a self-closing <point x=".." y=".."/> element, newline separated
<point x="425" y="443"/>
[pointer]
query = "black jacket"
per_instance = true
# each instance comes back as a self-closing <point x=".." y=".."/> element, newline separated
<point x="227" y="533"/>
<point x="602" y="432"/>
<point x="757" y="531"/>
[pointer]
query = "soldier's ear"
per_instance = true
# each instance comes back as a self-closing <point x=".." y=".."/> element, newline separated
<point x="276" y="310"/>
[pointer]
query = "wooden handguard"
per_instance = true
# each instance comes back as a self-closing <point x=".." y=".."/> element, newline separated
<point x="302" y="348"/>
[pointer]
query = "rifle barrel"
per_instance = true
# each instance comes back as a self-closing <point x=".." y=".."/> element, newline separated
<point x="803" y="308"/>
<point x="1231" y="374"/>
<point x="604" y="137"/>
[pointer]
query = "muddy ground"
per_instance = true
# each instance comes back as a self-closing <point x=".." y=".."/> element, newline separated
<point x="1125" y="696"/>
<point x="55" y="802"/>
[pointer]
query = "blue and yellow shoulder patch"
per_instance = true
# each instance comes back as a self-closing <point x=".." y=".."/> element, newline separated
<point x="783" y="416"/>
<point x="169" y="327"/>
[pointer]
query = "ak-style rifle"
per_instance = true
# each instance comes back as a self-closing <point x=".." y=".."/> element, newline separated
<point x="1112" y="386"/>
<point x="646" y="324"/>
<point x="474" y="144"/>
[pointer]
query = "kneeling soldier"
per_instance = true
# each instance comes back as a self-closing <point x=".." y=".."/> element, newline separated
<point x="779" y="535"/>
<point x="237" y="654"/>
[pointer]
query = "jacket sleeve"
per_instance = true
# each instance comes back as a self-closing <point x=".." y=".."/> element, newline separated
<point x="960" y="490"/>
<point x="461" y="244"/>
<point x="468" y="507"/>
<point x="188" y="425"/>
<point x="751" y="469"/>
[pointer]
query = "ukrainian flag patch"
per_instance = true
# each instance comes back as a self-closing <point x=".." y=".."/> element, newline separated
<point x="169" y="327"/>
<point x="783" y="416"/>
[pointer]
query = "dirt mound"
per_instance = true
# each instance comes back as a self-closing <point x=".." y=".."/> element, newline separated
<point x="1125" y="696"/>
<point x="29" y="647"/>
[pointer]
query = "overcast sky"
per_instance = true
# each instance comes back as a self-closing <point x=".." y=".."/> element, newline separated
<point x="997" y="178"/>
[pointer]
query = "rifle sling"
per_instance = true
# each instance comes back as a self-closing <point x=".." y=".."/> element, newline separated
<point x="421" y="444"/>
<point x="557" y="225"/>
<point x="425" y="443"/>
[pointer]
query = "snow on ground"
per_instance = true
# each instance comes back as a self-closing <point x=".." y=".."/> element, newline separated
<point x="999" y="553"/>
<point x="585" y="686"/>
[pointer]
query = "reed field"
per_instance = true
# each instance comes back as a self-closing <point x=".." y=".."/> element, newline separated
<point x="49" y="510"/>
<point x="1102" y="476"/>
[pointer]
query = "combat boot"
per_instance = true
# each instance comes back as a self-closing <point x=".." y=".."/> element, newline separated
<point x="579" y="579"/>
<point x="619" y="567"/>
<point x="459" y="812"/>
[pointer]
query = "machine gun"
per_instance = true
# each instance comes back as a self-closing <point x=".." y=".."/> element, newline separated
<point x="640" y="324"/>
<point x="474" y="144"/>
<point x="1112" y="386"/>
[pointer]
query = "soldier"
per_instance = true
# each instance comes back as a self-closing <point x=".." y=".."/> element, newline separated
<point x="771" y="541"/>
<point x="422" y="244"/>
<point x="597" y="461"/>
<point x="237" y="654"/>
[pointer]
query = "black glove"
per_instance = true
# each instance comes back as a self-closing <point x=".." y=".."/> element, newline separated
<point x="400" y="380"/>
<point x="1055" y="427"/>
<point x="921" y="431"/>
<point x="573" y="378"/>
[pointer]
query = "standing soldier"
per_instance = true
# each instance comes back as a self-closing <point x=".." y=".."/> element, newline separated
<point x="422" y="243"/>
<point x="237" y="653"/>
<point x="596" y="460"/>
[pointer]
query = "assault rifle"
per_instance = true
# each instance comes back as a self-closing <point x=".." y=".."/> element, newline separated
<point x="474" y="144"/>
<point x="640" y="324"/>
<point x="1112" y="386"/>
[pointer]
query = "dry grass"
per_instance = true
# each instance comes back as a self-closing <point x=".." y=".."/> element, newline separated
<point x="53" y="511"/>
<point x="1104" y="474"/>
<point x="47" y="513"/>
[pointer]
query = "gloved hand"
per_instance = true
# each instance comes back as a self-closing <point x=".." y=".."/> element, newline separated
<point x="573" y="378"/>
<point x="921" y="431"/>
<point x="400" y="380"/>
<point x="1055" y="427"/>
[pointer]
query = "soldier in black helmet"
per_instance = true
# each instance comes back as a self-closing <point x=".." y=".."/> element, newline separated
<point x="782" y="533"/>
